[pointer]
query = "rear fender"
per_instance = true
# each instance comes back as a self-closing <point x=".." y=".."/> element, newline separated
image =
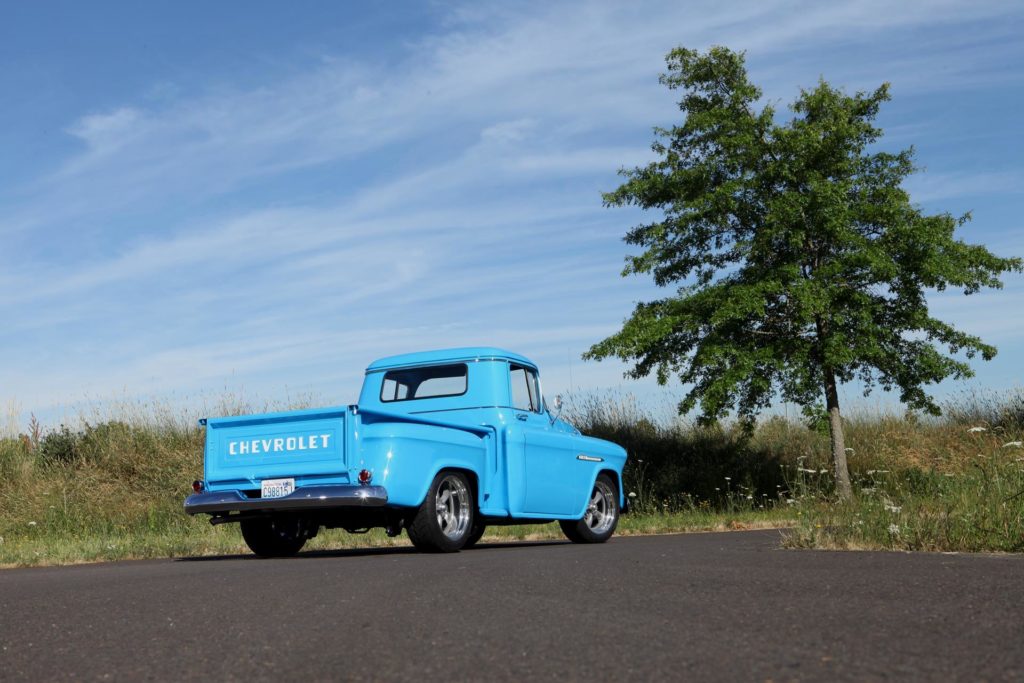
<point x="404" y="453"/>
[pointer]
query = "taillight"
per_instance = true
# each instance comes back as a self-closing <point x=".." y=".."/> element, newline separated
<point x="197" y="486"/>
<point x="365" y="476"/>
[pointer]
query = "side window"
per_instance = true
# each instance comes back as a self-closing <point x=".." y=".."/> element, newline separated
<point x="525" y="395"/>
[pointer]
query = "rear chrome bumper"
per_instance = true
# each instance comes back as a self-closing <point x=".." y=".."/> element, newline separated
<point x="305" y="497"/>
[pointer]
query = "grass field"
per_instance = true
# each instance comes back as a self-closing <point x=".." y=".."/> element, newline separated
<point x="111" y="487"/>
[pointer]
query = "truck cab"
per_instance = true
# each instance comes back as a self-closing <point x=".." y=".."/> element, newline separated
<point x="441" y="444"/>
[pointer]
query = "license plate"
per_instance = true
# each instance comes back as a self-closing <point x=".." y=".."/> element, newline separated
<point x="276" y="488"/>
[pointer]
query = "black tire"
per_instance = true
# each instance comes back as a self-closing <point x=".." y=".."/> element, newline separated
<point x="275" y="536"/>
<point x="602" y="515"/>
<point x="444" y="521"/>
<point x="475" y="534"/>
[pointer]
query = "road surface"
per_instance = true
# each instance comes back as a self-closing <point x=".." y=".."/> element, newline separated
<point x="730" y="606"/>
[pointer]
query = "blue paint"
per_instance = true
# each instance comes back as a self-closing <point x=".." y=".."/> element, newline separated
<point x="524" y="462"/>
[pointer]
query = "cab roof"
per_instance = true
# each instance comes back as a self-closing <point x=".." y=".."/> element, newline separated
<point x="469" y="353"/>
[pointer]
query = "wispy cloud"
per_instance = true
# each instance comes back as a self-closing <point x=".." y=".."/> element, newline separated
<point x="290" y="231"/>
<point x="931" y="187"/>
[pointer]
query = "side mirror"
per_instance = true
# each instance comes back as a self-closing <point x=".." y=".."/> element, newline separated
<point x="555" y="409"/>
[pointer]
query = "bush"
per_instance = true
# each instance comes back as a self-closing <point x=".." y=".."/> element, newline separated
<point x="61" y="446"/>
<point x="675" y="465"/>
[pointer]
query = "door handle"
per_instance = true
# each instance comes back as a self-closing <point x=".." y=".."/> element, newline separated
<point x="521" y="416"/>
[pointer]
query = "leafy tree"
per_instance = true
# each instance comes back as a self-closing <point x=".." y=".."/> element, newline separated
<point x="797" y="260"/>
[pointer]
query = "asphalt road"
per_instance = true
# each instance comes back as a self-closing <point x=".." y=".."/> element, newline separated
<point x="704" y="606"/>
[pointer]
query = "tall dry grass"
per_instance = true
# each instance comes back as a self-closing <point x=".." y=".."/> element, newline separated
<point x="672" y="459"/>
<point x="111" y="484"/>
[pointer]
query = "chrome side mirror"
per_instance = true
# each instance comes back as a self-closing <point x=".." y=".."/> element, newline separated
<point x="555" y="409"/>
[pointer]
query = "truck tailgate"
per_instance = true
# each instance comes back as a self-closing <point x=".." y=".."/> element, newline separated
<point x="310" y="444"/>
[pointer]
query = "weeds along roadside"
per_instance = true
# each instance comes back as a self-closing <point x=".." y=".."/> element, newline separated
<point x="111" y="485"/>
<point x="953" y="483"/>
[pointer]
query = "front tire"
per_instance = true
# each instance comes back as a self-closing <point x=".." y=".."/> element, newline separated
<point x="275" y="536"/>
<point x="444" y="521"/>
<point x="600" y="519"/>
<point x="475" y="534"/>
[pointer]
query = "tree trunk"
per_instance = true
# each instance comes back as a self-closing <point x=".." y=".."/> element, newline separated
<point x="835" y="429"/>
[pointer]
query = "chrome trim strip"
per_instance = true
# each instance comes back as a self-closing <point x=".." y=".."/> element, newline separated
<point x="325" y="496"/>
<point x="589" y="458"/>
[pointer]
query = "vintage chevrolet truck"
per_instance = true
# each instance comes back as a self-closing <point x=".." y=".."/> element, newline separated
<point x="441" y="444"/>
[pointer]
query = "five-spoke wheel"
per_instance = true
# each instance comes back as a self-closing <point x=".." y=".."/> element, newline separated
<point x="601" y="517"/>
<point x="444" y="521"/>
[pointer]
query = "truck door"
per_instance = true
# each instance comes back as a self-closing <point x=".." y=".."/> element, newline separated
<point x="550" y="454"/>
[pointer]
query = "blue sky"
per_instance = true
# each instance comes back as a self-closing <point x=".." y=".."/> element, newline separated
<point x="262" y="198"/>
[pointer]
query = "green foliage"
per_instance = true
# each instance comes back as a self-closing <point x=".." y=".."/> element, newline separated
<point x="678" y="466"/>
<point x="113" y="488"/>
<point x="61" y="446"/>
<point x="797" y="258"/>
<point x="978" y="509"/>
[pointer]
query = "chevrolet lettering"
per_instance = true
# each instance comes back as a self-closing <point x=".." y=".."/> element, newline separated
<point x="441" y="445"/>
<point x="279" y="444"/>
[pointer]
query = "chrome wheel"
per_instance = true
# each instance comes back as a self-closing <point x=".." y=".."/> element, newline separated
<point x="444" y="521"/>
<point x="602" y="511"/>
<point x="600" y="517"/>
<point x="452" y="507"/>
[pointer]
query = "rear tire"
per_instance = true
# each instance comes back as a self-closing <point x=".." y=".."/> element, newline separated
<point x="275" y="536"/>
<point x="600" y="519"/>
<point x="444" y="521"/>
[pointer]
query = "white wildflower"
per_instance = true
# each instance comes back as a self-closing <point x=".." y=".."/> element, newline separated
<point x="974" y="430"/>
<point x="728" y="478"/>
<point x="790" y="501"/>
<point x="750" y="498"/>
<point x="1013" y="444"/>
<point x="894" y="529"/>
<point x="632" y="494"/>
<point x="895" y="509"/>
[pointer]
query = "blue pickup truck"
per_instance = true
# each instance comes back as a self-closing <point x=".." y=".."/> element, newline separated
<point x="441" y="444"/>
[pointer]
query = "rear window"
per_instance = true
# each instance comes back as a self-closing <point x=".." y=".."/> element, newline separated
<point x="430" y="382"/>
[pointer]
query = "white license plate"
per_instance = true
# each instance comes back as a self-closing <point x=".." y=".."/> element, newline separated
<point x="276" y="488"/>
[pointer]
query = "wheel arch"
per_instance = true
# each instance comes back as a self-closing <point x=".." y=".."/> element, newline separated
<point x="471" y="476"/>
<point x="617" y="480"/>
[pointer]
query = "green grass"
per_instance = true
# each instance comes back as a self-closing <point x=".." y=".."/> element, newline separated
<point x="980" y="508"/>
<point x="198" y="538"/>
<point x="111" y="487"/>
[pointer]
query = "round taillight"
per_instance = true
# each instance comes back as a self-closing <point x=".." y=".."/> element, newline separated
<point x="365" y="476"/>
<point x="197" y="486"/>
